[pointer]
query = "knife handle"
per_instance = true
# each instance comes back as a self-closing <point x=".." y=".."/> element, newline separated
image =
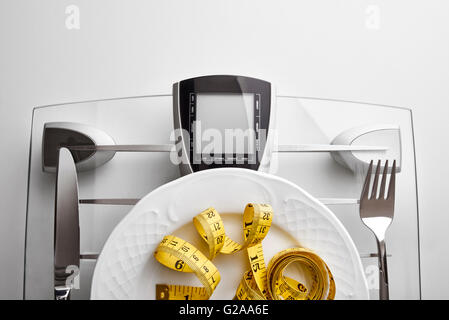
<point x="62" y="293"/>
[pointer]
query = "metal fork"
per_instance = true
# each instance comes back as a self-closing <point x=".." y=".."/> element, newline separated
<point x="377" y="214"/>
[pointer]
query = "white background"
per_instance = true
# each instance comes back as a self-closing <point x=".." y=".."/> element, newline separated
<point x="385" y="52"/>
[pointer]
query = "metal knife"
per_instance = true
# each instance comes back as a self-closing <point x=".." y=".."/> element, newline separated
<point x="66" y="233"/>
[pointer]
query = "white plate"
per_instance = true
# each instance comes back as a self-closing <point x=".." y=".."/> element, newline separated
<point x="126" y="268"/>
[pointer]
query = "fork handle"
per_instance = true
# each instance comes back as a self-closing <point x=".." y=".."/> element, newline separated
<point x="383" y="274"/>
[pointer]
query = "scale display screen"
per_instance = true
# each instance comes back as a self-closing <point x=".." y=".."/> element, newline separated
<point x="226" y="123"/>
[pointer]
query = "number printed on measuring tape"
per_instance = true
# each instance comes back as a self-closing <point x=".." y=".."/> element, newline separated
<point x="259" y="282"/>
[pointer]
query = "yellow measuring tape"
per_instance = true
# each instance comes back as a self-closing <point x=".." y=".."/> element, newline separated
<point x="259" y="282"/>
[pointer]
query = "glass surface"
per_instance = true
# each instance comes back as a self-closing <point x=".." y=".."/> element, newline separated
<point x="226" y="123"/>
<point x="149" y="120"/>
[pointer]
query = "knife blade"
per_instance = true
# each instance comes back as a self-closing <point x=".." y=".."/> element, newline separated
<point x="66" y="232"/>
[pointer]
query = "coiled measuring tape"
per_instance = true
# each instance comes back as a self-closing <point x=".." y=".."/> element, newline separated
<point x="259" y="282"/>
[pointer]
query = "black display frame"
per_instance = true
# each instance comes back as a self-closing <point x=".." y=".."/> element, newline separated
<point x="188" y="90"/>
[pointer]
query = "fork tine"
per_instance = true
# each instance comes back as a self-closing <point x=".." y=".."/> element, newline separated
<point x="365" y="189"/>
<point x="376" y="181"/>
<point x="384" y="181"/>
<point x="392" y="184"/>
